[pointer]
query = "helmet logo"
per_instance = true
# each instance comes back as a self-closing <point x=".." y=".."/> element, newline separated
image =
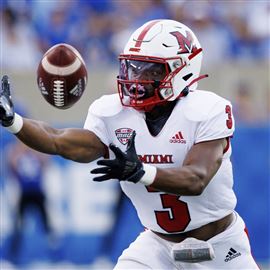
<point x="186" y="44"/>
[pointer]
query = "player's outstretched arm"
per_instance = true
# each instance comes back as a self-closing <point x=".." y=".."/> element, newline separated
<point x="76" y="144"/>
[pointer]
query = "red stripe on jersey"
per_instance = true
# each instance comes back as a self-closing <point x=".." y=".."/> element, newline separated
<point x="246" y="231"/>
<point x="143" y="34"/>
<point x="180" y="134"/>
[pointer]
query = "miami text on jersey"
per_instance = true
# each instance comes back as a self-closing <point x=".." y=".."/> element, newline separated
<point x="156" y="159"/>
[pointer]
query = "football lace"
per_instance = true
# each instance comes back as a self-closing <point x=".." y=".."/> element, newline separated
<point x="58" y="93"/>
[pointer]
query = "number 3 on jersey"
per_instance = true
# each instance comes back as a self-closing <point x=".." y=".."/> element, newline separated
<point x="176" y="218"/>
<point x="229" y="121"/>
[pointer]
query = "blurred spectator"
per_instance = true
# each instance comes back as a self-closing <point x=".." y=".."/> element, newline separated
<point x="259" y="27"/>
<point x="232" y="30"/>
<point x="19" y="42"/>
<point x="98" y="27"/>
<point x="56" y="23"/>
<point x="27" y="167"/>
<point x="213" y="35"/>
<point x="248" y="24"/>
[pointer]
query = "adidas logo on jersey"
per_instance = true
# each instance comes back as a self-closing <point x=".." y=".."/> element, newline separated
<point x="178" y="138"/>
<point x="232" y="254"/>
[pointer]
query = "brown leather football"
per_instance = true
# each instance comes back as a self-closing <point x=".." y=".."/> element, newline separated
<point x="62" y="76"/>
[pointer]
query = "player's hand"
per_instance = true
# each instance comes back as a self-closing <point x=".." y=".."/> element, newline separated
<point x="6" y="105"/>
<point x="126" y="165"/>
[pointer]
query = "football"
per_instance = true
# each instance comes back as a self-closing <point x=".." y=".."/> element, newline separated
<point x="62" y="76"/>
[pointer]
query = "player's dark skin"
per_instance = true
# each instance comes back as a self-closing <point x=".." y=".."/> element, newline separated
<point x="81" y="145"/>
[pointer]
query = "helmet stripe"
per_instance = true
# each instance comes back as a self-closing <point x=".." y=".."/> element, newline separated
<point x="142" y="35"/>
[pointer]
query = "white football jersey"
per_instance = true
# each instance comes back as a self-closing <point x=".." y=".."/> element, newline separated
<point x="200" y="116"/>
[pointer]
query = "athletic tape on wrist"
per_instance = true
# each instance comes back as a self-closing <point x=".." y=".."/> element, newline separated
<point x="17" y="124"/>
<point x="149" y="176"/>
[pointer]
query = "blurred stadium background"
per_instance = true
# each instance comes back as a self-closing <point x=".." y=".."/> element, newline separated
<point x="92" y="223"/>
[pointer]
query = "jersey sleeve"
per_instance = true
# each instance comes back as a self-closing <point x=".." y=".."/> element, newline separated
<point x="219" y="123"/>
<point x="96" y="124"/>
<point x="99" y="111"/>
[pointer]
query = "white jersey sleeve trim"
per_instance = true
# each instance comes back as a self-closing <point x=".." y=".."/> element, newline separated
<point x="96" y="125"/>
<point x="106" y="106"/>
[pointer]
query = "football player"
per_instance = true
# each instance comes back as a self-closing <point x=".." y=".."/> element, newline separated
<point x="169" y="146"/>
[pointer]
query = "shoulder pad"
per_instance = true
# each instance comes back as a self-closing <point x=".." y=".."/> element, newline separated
<point x="201" y="105"/>
<point x="106" y="106"/>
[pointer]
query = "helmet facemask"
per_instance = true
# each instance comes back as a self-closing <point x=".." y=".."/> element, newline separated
<point x="142" y="82"/>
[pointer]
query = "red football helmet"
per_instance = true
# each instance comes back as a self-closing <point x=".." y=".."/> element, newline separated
<point x="161" y="59"/>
